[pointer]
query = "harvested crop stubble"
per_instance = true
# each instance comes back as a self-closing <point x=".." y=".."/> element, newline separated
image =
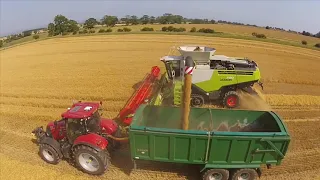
<point x="105" y="55"/>
<point x="297" y="100"/>
<point x="109" y="105"/>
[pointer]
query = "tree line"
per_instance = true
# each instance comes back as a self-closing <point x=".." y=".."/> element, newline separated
<point x="61" y="25"/>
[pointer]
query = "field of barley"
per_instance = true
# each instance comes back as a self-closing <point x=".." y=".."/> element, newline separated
<point x="237" y="30"/>
<point x="40" y="80"/>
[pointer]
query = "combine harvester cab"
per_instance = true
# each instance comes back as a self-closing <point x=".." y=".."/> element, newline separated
<point x="224" y="143"/>
<point x="215" y="77"/>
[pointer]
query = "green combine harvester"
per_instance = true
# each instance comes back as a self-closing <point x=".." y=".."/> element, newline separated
<point x="215" y="77"/>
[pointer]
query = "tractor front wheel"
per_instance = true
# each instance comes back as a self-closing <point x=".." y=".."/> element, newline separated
<point x="90" y="160"/>
<point x="49" y="154"/>
<point x="231" y="99"/>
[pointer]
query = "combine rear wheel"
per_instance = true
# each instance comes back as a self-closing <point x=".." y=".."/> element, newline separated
<point x="231" y="99"/>
<point x="90" y="160"/>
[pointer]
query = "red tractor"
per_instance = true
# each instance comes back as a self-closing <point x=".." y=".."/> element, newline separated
<point x="81" y="135"/>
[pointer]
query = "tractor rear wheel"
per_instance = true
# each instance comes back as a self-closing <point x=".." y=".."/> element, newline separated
<point x="231" y="99"/>
<point x="49" y="154"/>
<point x="90" y="160"/>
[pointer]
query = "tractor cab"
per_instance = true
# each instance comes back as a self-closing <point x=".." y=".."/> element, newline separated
<point x="80" y="119"/>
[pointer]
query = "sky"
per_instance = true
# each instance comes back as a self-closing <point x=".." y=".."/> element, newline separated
<point x="19" y="15"/>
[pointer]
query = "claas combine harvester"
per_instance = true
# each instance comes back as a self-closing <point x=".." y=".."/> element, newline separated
<point x="223" y="142"/>
<point x="215" y="77"/>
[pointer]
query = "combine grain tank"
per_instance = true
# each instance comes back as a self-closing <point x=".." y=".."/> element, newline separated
<point x="200" y="54"/>
<point x="222" y="142"/>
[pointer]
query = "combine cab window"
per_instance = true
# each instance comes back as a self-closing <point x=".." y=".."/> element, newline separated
<point x="173" y="68"/>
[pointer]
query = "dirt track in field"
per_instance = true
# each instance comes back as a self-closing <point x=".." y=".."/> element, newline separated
<point x="40" y="80"/>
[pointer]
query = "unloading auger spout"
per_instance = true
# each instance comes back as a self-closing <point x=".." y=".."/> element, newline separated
<point x="189" y="66"/>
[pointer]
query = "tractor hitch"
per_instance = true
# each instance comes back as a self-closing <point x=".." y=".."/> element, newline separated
<point x="39" y="133"/>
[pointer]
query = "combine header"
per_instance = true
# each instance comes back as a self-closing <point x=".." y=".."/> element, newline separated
<point x="142" y="95"/>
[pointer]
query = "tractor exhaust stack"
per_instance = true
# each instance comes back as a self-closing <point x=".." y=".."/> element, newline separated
<point x="189" y="66"/>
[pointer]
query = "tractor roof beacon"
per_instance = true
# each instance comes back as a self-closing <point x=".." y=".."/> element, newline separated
<point x="215" y="77"/>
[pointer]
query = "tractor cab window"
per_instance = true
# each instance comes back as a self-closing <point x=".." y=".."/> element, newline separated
<point x="93" y="122"/>
<point x="75" y="128"/>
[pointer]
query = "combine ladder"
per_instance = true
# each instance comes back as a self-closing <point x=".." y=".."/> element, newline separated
<point x="177" y="93"/>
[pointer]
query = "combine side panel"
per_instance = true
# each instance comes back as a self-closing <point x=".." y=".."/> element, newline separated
<point x="140" y="95"/>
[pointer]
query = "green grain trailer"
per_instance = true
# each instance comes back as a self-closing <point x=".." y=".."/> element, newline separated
<point x="224" y="143"/>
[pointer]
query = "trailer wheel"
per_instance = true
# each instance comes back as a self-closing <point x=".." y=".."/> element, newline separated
<point x="216" y="174"/>
<point x="244" y="174"/>
<point x="90" y="160"/>
<point x="48" y="154"/>
<point x="231" y="99"/>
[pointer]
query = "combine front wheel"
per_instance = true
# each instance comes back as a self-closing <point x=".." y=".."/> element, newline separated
<point x="196" y="100"/>
<point x="231" y="99"/>
<point x="90" y="160"/>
